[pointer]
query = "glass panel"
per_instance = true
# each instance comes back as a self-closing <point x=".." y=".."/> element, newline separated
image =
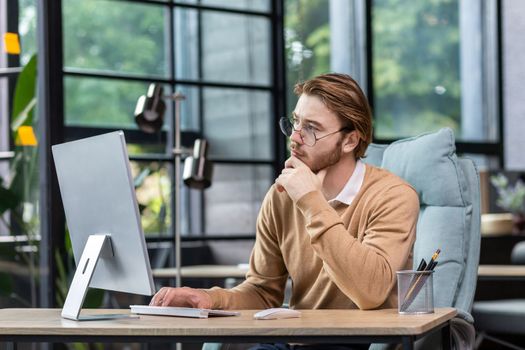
<point x="20" y="229"/>
<point x="115" y="36"/>
<point x="435" y="78"/>
<point x="483" y="162"/>
<point x="144" y="148"/>
<point x="238" y="123"/>
<point x="190" y="111"/>
<point x="416" y="82"/>
<point x="236" y="48"/>
<point x="27" y="29"/>
<point x="101" y="102"/>
<point x="307" y="42"/>
<point x="249" y="5"/>
<point x="153" y="189"/>
<point x="187" y="44"/>
<point x="153" y="186"/>
<point x="233" y="201"/>
<point x="191" y="210"/>
<point x="4" y="123"/>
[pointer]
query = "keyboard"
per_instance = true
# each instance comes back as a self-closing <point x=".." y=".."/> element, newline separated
<point x="179" y="311"/>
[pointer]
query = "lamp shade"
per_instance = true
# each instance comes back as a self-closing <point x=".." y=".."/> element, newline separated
<point x="197" y="168"/>
<point x="149" y="112"/>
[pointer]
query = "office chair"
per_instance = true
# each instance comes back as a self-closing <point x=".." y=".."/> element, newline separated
<point x="501" y="316"/>
<point x="449" y="219"/>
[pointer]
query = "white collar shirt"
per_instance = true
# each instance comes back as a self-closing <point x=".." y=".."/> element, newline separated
<point x="352" y="186"/>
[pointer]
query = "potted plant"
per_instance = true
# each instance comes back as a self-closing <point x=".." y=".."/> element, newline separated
<point x="512" y="199"/>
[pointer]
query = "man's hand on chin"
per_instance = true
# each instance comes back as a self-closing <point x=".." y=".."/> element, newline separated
<point x="297" y="179"/>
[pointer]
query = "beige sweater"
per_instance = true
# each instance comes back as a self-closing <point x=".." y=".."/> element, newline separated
<point x="344" y="257"/>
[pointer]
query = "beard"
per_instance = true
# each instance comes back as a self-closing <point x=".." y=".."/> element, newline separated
<point x="320" y="161"/>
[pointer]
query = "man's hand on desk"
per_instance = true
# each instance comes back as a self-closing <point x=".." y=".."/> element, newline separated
<point x="182" y="297"/>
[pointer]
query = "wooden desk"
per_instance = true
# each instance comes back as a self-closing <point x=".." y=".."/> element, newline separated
<point x="501" y="272"/>
<point x="315" y="326"/>
<point x="203" y="271"/>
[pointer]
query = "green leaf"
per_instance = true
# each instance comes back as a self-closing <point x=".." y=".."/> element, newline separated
<point x="25" y="96"/>
<point x="9" y="199"/>
<point x="67" y="243"/>
<point x="94" y="298"/>
<point x="24" y="175"/>
<point x="61" y="281"/>
<point x="79" y="346"/>
<point x="8" y="251"/>
<point x="140" y="178"/>
<point x="25" y="117"/>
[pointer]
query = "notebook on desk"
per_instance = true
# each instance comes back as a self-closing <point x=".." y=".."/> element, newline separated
<point x="179" y="311"/>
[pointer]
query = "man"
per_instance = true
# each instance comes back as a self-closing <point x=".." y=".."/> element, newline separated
<point x="338" y="228"/>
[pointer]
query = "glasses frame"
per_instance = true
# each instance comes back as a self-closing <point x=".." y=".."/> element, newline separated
<point x="285" y="122"/>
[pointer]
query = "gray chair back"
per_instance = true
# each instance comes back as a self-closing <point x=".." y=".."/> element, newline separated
<point x="448" y="189"/>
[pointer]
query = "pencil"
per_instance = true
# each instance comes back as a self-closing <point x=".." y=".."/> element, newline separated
<point x="434" y="257"/>
<point x="429" y="267"/>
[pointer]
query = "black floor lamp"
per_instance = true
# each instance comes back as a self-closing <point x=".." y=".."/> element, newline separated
<point x="149" y="116"/>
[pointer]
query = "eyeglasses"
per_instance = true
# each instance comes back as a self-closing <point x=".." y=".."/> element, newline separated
<point x="307" y="132"/>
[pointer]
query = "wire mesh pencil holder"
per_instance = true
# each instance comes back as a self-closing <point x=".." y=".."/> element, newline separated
<point x="415" y="292"/>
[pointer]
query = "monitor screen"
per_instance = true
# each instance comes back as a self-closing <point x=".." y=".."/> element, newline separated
<point x="99" y="200"/>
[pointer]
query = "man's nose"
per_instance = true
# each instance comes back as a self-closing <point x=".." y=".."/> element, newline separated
<point x="297" y="137"/>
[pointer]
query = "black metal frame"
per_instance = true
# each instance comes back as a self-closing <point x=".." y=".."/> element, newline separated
<point x="51" y="131"/>
<point x="501" y="125"/>
<point x="407" y="341"/>
<point x="482" y="148"/>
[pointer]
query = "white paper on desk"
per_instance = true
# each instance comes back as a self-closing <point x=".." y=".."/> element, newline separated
<point x="179" y="311"/>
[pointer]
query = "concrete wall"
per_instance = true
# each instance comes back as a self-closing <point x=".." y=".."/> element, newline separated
<point x="513" y="25"/>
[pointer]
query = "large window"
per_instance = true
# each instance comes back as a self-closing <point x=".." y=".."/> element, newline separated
<point x="432" y="66"/>
<point x="424" y="65"/>
<point x="219" y="55"/>
<point x="416" y="66"/>
<point x="224" y="56"/>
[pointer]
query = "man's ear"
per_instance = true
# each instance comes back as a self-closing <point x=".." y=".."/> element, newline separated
<point x="350" y="141"/>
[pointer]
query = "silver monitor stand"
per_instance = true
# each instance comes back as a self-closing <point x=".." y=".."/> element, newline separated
<point x="97" y="247"/>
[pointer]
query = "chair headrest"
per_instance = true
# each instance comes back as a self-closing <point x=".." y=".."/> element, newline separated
<point x="429" y="163"/>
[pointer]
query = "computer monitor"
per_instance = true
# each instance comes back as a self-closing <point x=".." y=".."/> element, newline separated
<point x="103" y="220"/>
